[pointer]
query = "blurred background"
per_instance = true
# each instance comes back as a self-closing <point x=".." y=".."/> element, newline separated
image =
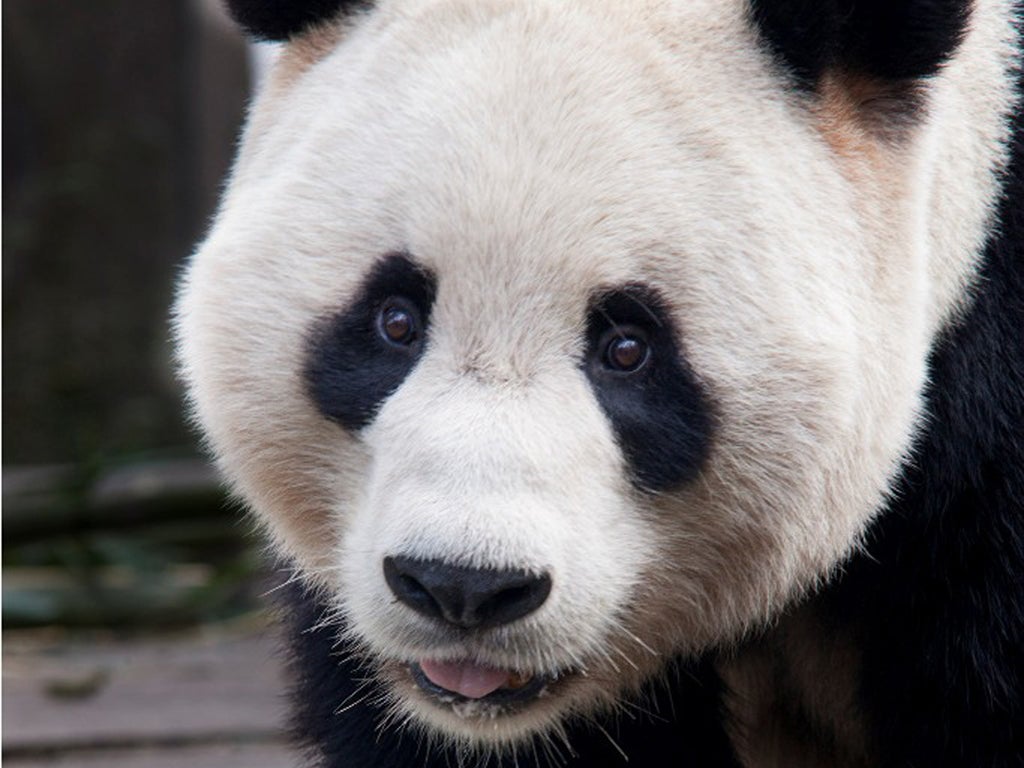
<point x="119" y="123"/>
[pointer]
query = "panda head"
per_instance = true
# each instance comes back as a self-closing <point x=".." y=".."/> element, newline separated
<point x="553" y="340"/>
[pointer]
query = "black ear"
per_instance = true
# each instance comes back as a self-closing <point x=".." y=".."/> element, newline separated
<point x="280" y="19"/>
<point x="891" y="40"/>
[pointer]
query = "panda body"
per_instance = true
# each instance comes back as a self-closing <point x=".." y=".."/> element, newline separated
<point x="631" y="379"/>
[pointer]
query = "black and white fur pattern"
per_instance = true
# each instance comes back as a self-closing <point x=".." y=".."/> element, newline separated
<point x="793" y="535"/>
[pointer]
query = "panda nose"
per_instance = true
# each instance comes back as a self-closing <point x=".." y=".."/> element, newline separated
<point x="470" y="598"/>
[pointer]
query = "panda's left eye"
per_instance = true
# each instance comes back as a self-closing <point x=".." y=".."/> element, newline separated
<point x="642" y="381"/>
<point x="398" y="322"/>
<point x="625" y="349"/>
<point x="358" y="357"/>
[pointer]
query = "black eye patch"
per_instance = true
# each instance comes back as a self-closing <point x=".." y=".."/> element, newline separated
<point x="358" y="357"/>
<point x="658" y="410"/>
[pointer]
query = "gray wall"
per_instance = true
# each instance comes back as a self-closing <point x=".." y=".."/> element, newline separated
<point x="119" y="120"/>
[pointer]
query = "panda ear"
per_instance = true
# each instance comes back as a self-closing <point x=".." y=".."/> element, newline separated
<point x="281" y="19"/>
<point x="884" y="40"/>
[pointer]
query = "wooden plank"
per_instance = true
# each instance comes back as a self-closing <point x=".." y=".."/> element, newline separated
<point x="202" y="688"/>
<point x="213" y="756"/>
<point x="41" y="502"/>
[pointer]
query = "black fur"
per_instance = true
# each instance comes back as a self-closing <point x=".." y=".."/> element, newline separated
<point x="660" y="413"/>
<point x="884" y="39"/>
<point x="937" y="603"/>
<point x="281" y="19"/>
<point x="350" y="368"/>
<point x="677" y="723"/>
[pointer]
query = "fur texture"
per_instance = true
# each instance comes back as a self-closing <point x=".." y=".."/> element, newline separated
<point x="809" y="489"/>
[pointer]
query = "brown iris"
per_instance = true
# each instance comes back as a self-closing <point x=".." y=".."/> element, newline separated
<point x="626" y="353"/>
<point x="397" y="323"/>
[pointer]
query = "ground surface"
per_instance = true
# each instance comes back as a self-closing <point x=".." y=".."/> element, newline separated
<point x="208" y="699"/>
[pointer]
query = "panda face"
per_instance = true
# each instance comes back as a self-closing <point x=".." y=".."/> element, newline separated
<point x="551" y="344"/>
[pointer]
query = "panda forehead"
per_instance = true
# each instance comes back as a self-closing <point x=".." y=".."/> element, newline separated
<point x="496" y="207"/>
<point x="509" y="166"/>
<point x="524" y="77"/>
<point x="491" y="115"/>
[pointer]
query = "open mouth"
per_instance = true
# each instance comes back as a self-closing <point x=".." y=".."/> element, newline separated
<point x="462" y="682"/>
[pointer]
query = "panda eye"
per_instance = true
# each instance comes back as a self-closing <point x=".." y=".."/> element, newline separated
<point x="625" y="349"/>
<point x="398" y="322"/>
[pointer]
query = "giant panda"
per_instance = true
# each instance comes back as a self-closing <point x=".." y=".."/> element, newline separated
<point x="631" y="383"/>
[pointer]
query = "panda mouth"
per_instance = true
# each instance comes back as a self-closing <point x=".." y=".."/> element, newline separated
<point x="470" y="687"/>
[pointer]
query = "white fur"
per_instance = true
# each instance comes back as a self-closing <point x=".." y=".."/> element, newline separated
<point x="530" y="153"/>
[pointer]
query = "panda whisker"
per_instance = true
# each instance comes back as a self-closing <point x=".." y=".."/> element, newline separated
<point x="620" y="627"/>
<point x="608" y="319"/>
<point x="394" y="717"/>
<point x="348" y="703"/>
<point x="649" y="711"/>
<point x="345" y="651"/>
<point x="552" y="753"/>
<point x="515" y="756"/>
<point x="543" y="746"/>
<point x="604" y="654"/>
<point x="580" y="665"/>
<point x="621" y="710"/>
<point x="625" y="658"/>
<point x="596" y="725"/>
<point x="325" y="621"/>
<point x="293" y="577"/>
<point x="655" y="318"/>
<point x="559" y="731"/>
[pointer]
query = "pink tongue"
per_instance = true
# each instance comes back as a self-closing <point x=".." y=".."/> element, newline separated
<point x="469" y="680"/>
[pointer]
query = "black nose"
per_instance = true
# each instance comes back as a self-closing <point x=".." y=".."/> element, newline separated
<point x="465" y="597"/>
